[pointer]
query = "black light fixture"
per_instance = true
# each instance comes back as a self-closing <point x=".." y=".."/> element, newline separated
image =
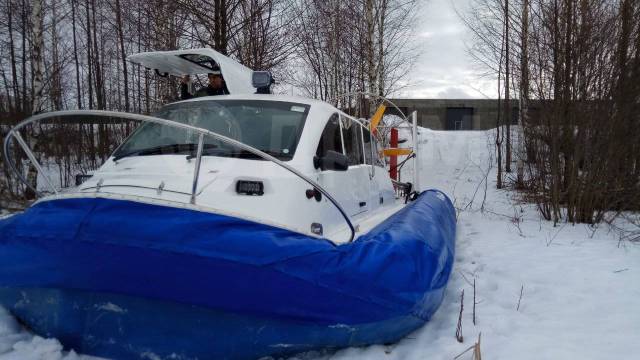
<point x="245" y="187"/>
<point x="313" y="193"/>
<point x="316" y="228"/>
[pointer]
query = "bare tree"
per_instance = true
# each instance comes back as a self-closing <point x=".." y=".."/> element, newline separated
<point x="120" y="29"/>
<point x="363" y="47"/>
<point x="577" y="59"/>
<point x="38" y="48"/>
<point x="507" y="103"/>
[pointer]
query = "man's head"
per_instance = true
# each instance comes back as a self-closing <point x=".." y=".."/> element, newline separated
<point x="215" y="79"/>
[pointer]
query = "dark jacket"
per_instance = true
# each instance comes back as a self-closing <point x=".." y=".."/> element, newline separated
<point x="204" y="91"/>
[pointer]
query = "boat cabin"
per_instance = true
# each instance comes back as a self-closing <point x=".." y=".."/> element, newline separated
<point x="320" y="142"/>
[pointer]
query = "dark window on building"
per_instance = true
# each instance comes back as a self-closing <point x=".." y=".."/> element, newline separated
<point x="515" y="114"/>
<point x="352" y="137"/>
<point x="330" y="138"/>
<point x="459" y="118"/>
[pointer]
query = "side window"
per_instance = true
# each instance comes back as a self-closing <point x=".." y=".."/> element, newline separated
<point x="330" y="138"/>
<point x="367" y="149"/>
<point x="352" y="141"/>
<point x="377" y="159"/>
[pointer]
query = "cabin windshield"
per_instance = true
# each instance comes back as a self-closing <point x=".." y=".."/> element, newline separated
<point x="273" y="127"/>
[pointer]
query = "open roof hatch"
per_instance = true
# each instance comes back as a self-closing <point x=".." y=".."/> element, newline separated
<point x="197" y="61"/>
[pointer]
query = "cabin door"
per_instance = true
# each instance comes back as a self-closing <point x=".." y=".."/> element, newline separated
<point x="358" y="183"/>
<point x="351" y="188"/>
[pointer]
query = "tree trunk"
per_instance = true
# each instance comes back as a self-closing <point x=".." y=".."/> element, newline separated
<point x="223" y="26"/>
<point x="122" y="55"/>
<point x="524" y="93"/>
<point x="220" y="23"/>
<point x="75" y="54"/>
<point x="371" y="72"/>
<point x="99" y="83"/>
<point x="14" y="72"/>
<point x="89" y="55"/>
<point x="381" y="29"/>
<point x="25" y="19"/>
<point x="38" y="64"/>
<point x="56" y="69"/>
<point x="507" y="102"/>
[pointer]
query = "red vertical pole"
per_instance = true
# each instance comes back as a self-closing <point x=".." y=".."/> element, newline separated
<point x="393" y="159"/>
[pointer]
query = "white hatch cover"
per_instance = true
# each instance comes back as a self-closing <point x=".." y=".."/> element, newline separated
<point x="197" y="61"/>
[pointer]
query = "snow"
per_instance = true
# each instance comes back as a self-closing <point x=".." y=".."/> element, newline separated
<point x="579" y="285"/>
<point x="17" y="344"/>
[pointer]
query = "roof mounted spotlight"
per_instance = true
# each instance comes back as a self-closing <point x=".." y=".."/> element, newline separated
<point x="262" y="80"/>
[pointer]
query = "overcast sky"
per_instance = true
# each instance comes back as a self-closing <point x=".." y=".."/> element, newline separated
<point x="444" y="69"/>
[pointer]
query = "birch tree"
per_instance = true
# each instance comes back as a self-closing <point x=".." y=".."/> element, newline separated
<point x="37" y="62"/>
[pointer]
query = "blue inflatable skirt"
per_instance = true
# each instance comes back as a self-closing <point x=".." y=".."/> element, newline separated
<point x="127" y="280"/>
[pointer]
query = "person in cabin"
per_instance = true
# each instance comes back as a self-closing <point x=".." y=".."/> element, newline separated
<point x="216" y="86"/>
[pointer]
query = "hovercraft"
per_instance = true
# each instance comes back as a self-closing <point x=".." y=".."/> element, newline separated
<point x="226" y="227"/>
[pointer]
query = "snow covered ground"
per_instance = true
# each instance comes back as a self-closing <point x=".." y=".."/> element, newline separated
<point x="577" y="289"/>
<point x="580" y="290"/>
<point x="17" y="344"/>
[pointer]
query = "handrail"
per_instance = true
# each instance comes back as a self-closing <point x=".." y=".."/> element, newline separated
<point x="384" y="99"/>
<point x="413" y="125"/>
<point x="196" y="172"/>
<point x="145" y="118"/>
